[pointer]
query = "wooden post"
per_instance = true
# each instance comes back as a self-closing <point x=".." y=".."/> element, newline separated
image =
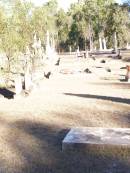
<point x="128" y="73"/>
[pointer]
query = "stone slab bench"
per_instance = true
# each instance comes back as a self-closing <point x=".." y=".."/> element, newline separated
<point x="96" y="136"/>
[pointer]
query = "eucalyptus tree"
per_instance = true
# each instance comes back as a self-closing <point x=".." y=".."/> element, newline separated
<point x="51" y="8"/>
<point x="101" y="18"/>
<point x="21" y="21"/>
<point x="17" y="31"/>
<point x="3" y="23"/>
<point x="117" y="25"/>
<point x="38" y="21"/>
<point x="89" y="10"/>
<point x="44" y="18"/>
<point x="76" y="28"/>
<point x="63" y="23"/>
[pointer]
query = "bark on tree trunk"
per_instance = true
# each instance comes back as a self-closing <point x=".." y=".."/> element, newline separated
<point x="115" y="41"/>
<point x="91" y="43"/>
<point x="104" y="44"/>
<point x="90" y="36"/>
<point x="8" y="63"/>
<point x="100" y="43"/>
<point x="85" y="45"/>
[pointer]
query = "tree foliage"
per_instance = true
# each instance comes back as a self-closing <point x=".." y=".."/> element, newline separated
<point x="82" y="25"/>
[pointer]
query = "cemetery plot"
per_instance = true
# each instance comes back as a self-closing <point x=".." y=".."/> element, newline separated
<point x="95" y="136"/>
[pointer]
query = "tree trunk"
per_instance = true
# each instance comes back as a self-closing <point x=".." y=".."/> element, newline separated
<point x="91" y="43"/>
<point x="85" y="44"/>
<point x="115" y="41"/>
<point x="100" y="43"/>
<point x="70" y="49"/>
<point x="104" y="44"/>
<point x="27" y="78"/>
<point x="18" y="84"/>
<point x="90" y="36"/>
<point x="8" y="63"/>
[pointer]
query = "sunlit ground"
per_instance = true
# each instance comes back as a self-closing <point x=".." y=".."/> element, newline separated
<point x="32" y="128"/>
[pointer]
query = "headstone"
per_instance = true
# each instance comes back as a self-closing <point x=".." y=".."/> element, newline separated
<point x="1" y="96"/>
<point x="2" y="80"/>
<point x="77" y="52"/>
<point x="36" y="44"/>
<point x="127" y="46"/>
<point x="70" y="49"/>
<point x="28" y="81"/>
<point x="18" y="85"/>
<point x="87" y="54"/>
<point x="96" y="136"/>
<point x="39" y="49"/>
<point x="3" y="60"/>
<point x="100" y="43"/>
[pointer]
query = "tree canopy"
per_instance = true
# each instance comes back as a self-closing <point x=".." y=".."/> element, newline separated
<point x="81" y="26"/>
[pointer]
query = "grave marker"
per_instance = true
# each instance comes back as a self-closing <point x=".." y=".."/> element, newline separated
<point x="18" y="85"/>
<point x="96" y="136"/>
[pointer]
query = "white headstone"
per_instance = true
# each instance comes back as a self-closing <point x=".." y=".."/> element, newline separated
<point x="39" y="43"/>
<point x="28" y="81"/>
<point x="70" y="49"/>
<point x="18" y="84"/>
<point x="87" y="55"/>
<point x="127" y="46"/>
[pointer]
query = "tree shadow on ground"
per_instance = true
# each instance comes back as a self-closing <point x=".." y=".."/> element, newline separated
<point x="7" y="93"/>
<point x="107" y="98"/>
<point x="40" y="146"/>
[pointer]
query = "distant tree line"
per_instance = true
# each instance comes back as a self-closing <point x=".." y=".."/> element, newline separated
<point x="83" y="25"/>
<point x="88" y="21"/>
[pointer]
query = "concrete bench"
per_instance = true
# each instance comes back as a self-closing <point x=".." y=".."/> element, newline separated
<point x="95" y="136"/>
